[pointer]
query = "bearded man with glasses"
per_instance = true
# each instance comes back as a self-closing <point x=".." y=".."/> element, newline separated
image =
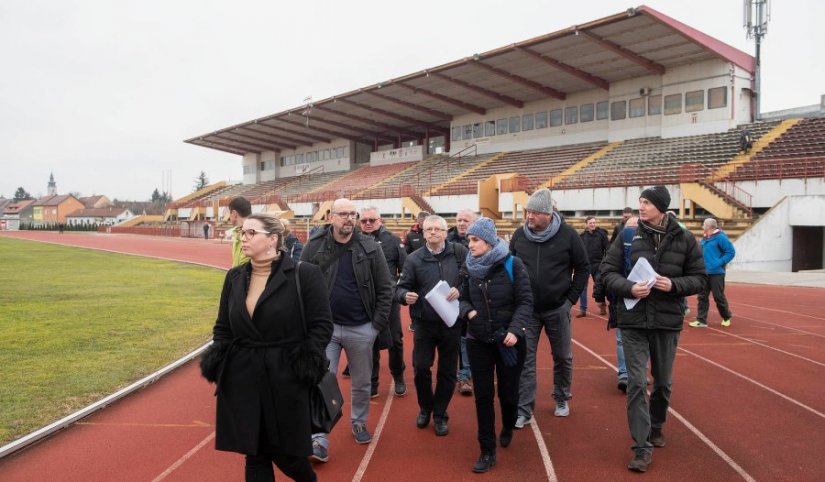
<point x="360" y="295"/>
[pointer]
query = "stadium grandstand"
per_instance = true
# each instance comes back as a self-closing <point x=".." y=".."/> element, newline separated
<point x="596" y="112"/>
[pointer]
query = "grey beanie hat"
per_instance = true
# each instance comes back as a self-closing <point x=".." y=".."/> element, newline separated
<point x="485" y="229"/>
<point x="541" y="201"/>
<point x="658" y="196"/>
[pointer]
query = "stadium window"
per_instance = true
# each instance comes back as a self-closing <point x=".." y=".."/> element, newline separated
<point x="654" y="105"/>
<point x="637" y="107"/>
<point x="586" y="113"/>
<point x="717" y="97"/>
<point x="571" y="115"/>
<point x="694" y="100"/>
<point x="263" y="165"/>
<point x="467" y="132"/>
<point x="527" y="122"/>
<point x="501" y="127"/>
<point x="456" y="134"/>
<point x="618" y="110"/>
<point x="515" y="124"/>
<point x="490" y="128"/>
<point x="246" y="170"/>
<point x="478" y="130"/>
<point x="673" y="104"/>
<point x="602" y="110"/>
<point x="555" y="118"/>
<point x="283" y="161"/>
<point x="541" y="120"/>
<point x="299" y="158"/>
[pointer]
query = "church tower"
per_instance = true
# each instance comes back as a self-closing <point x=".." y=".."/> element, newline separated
<point x="52" y="186"/>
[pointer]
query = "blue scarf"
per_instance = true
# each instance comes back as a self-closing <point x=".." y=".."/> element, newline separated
<point x="478" y="267"/>
<point x="552" y="229"/>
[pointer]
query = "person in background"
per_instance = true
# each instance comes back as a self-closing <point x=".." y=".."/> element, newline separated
<point x="239" y="210"/>
<point x="595" y="243"/>
<point x="458" y="234"/>
<point x="415" y="236"/>
<point x="650" y="330"/>
<point x="265" y="358"/>
<point x="718" y="251"/>
<point x="617" y="230"/>
<point x="293" y="246"/>
<point x="497" y="303"/>
<point x="205" y="230"/>
<point x="612" y="322"/>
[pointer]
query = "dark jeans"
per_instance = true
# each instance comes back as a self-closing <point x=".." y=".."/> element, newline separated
<point x="259" y="468"/>
<point x="660" y="347"/>
<point x="429" y="336"/>
<point x="487" y="364"/>
<point x="396" y="351"/>
<point x="716" y="285"/>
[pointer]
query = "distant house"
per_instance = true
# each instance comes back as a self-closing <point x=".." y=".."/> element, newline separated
<point x="11" y="216"/>
<point x="90" y="202"/>
<point x="98" y="216"/>
<point x="53" y="209"/>
<point x="4" y="203"/>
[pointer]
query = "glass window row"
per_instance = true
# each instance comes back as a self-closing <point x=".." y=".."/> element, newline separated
<point x="314" y="156"/>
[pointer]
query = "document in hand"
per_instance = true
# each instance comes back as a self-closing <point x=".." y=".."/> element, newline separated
<point x="642" y="272"/>
<point x="437" y="297"/>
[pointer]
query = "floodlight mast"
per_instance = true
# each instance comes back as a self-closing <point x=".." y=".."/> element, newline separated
<point x="756" y="15"/>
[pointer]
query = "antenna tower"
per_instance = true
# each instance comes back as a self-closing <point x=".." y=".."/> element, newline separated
<point x="755" y="18"/>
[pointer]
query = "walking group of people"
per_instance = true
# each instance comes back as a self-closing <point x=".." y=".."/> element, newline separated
<point x="282" y="323"/>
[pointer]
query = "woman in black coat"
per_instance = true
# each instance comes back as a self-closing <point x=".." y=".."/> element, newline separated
<point x="263" y="359"/>
<point x="497" y="303"/>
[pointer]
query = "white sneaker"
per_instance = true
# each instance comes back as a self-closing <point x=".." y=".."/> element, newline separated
<point x="522" y="420"/>
<point x="562" y="409"/>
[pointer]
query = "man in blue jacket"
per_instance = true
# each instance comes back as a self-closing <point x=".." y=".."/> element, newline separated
<point x="718" y="252"/>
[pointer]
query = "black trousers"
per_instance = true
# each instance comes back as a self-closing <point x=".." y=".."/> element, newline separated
<point x="259" y="468"/>
<point x="488" y="365"/>
<point x="396" y="351"/>
<point x="715" y="285"/>
<point x="429" y="336"/>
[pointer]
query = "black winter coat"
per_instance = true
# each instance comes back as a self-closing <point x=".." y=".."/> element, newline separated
<point x="454" y="237"/>
<point x="499" y="303"/>
<point x="414" y="239"/>
<point x="679" y="257"/>
<point x="369" y="265"/>
<point x="596" y="245"/>
<point x="257" y="388"/>
<point x="423" y="271"/>
<point x="558" y="267"/>
<point x="394" y="253"/>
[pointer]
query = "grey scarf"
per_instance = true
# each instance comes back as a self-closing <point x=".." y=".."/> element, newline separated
<point x="552" y="229"/>
<point x="478" y="267"/>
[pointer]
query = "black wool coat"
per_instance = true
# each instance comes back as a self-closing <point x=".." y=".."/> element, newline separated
<point x="259" y="396"/>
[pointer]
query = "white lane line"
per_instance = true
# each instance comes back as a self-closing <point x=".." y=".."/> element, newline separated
<point x="362" y="468"/>
<point x="545" y="454"/>
<point x="741" y="317"/>
<point x="716" y="449"/>
<point x="764" y="345"/>
<point x="760" y="385"/>
<point x="183" y="459"/>
<point x="762" y="308"/>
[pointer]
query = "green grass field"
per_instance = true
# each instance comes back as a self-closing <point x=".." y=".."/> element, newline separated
<point x="77" y="325"/>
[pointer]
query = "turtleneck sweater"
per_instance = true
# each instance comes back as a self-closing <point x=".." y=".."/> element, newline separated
<point x="261" y="269"/>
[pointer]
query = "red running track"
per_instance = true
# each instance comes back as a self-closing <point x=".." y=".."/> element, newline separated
<point x="748" y="403"/>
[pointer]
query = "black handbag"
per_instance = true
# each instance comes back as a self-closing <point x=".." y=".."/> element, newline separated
<point x="326" y="402"/>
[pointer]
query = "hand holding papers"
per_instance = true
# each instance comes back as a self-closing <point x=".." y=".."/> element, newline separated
<point x="642" y="272"/>
<point x="437" y="297"/>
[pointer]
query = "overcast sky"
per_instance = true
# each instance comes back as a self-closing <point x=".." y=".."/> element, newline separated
<point x="103" y="93"/>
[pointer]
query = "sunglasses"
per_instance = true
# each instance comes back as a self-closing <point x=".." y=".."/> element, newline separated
<point x="369" y="220"/>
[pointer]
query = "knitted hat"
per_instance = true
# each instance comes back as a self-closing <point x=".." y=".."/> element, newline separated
<point x="657" y="195"/>
<point x="541" y="201"/>
<point x="485" y="229"/>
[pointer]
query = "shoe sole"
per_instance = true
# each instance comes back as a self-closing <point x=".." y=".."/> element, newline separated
<point x="315" y="458"/>
<point x="400" y="394"/>
<point x="374" y="395"/>
<point x="482" y="471"/>
<point x="519" y="427"/>
<point x="698" y="326"/>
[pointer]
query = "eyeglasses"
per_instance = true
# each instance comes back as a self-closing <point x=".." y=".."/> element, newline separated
<point x="346" y="214"/>
<point x="369" y="220"/>
<point x="434" y="229"/>
<point x="250" y="233"/>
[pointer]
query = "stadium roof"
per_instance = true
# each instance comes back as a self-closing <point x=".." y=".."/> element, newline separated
<point x="640" y="41"/>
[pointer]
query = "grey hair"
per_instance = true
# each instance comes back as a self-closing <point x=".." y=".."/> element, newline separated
<point x="370" y="208"/>
<point x="272" y="225"/>
<point x="710" y="222"/>
<point x="435" y="218"/>
<point x="468" y="211"/>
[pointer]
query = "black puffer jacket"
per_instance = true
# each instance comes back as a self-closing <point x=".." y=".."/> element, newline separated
<point x="499" y="302"/>
<point x="679" y="257"/>
<point x="394" y="252"/>
<point x="423" y="270"/>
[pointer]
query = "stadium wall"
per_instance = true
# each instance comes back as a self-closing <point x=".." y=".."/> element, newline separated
<point x="768" y="192"/>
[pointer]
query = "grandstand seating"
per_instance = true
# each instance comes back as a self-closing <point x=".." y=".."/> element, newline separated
<point x="806" y="139"/>
<point x="425" y="175"/>
<point x="654" y="160"/>
<point x="536" y="165"/>
<point x="351" y="183"/>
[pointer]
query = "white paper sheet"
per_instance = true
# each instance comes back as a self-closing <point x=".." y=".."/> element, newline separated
<point x="437" y="297"/>
<point x="642" y="272"/>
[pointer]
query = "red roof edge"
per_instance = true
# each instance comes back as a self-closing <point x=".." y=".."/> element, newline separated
<point x="730" y="53"/>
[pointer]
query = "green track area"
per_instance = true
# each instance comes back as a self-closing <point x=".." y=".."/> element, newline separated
<point x="77" y="325"/>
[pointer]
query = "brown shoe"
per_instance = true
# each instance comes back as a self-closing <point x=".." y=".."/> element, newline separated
<point x="656" y="437"/>
<point x="640" y="462"/>
<point x="465" y="387"/>
<point x="602" y="309"/>
<point x="581" y="314"/>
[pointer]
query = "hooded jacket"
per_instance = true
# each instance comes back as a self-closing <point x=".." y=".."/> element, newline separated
<point x="718" y="252"/>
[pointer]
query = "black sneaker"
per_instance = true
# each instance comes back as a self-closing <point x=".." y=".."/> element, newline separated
<point x="423" y="419"/>
<point x="400" y="387"/>
<point x="440" y="426"/>
<point x="345" y="373"/>
<point x="640" y="461"/>
<point x="484" y="463"/>
<point x="656" y="437"/>
<point x="374" y="392"/>
<point x="319" y="453"/>
<point x="359" y="431"/>
<point x="622" y="385"/>
<point x="505" y="438"/>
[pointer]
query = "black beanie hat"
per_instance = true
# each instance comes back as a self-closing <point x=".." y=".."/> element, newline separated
<point x="657" y="195"/>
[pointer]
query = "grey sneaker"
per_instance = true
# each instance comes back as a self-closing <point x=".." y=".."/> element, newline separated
<point x="359" y="430"/>
<point x="319" y="452"/>
<point x="562" y="409"/>
<point x="640" y="461"/>
<point x="523" y="420"/>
